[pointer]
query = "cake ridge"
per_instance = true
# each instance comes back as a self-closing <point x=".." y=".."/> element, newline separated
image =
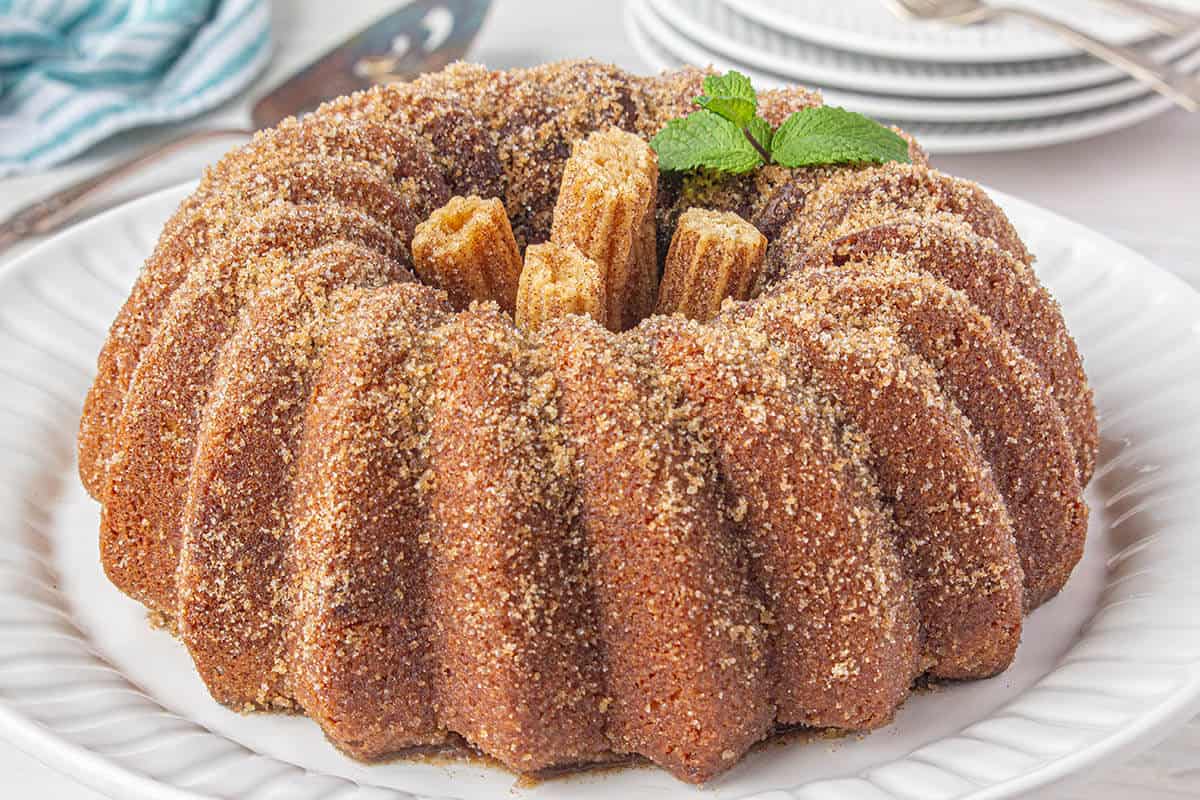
<point x="515" y="627"/>
<point x="842" y="622"/>
<point x="162" y="410"/>
<point x="232" y="554"/>
<point x="1000" y="285"/>
<point x="682" y="638"/>
<point x="953" y="528"/>
<point x="1021" y="429"/>
<point x="245" y="181"/>
<point x="360" y="623"/>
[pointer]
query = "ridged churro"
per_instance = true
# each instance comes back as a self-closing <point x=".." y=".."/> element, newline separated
<point x="467" y="248"/>
<point x="713" y="255"/>
<point x="605" y="208"/>
<point x="558" y="280"/>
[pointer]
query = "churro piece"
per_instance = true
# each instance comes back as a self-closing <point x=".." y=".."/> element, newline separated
<point x="713" y="255"/>
<point x="645" y="254"/>
<point x="606" y="208"/>
<point x="558" y="280"/>
<point x="467" y="248"/>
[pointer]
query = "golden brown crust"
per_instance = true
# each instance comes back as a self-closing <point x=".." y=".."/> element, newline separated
<point x="1002" y="287"/>
<point x="360" y="623"/>
<point x="459" y="141"/>
<point x="383" y="171"/>
<point x="605" y="207"/>
<point x="467" y="248"/>
<point x="843" y="627"/>
<point x="156" y="432"/>
<point x="558" y="280"/>
<point x="781" y="199"/>
<point x="572" y="545"/>
<point x="233" y="603"/>
<point x="127" y="336"/>
<point x="714" y="255"/>
<point x="1019" y="426"/>
<point x="955" y="533"/>
<point x="514" y="627"/>
<point x="684" y="651"/>
<point x="319" y="160"/>
<point x="853" y="200"/>
<point x="776" y="105"/>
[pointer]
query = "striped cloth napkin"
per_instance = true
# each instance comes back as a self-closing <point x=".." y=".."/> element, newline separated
<point x="73" y="72"/>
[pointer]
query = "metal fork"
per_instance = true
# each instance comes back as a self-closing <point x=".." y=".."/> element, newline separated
<point x="1162" y="18"/>
<point x="1181" y="88"/>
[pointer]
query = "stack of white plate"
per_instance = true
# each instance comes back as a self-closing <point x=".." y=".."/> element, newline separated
<point x="958" y="89"/>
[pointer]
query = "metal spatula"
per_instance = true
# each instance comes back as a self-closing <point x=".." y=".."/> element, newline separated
<point x="423" y="36"/>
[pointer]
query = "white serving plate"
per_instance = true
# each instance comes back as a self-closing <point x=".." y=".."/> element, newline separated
<point x="1107" y="668"/>
<point x="724" y="31"/>
<point x="663" y="48"/>
<point x="867" y="26"/>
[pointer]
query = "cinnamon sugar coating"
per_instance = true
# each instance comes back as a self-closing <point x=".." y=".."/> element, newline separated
<point x="394" y="509"/>
<point x="515" y="628"/>
<point x="684" y="649"/>
<point x="295" y="163"/>
<point x="1020" y="429"/>
<point x="850" y="201"/>
<point x="1000" y="285"/>
<point x="668" y="95"/>
<point x="953" y="528"/>
<point x="458" y="139"/>
<point x="361" y="619"/>
<point x="842" y="629"/>
<point x="233" y="605"/>
<point x="156" y="436"/>
<point x="782" y="192"/>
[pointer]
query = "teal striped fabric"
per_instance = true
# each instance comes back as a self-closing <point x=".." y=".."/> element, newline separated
<point x="74" y="72"/>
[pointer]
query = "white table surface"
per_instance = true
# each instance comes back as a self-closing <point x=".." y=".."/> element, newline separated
<point x="1140" y="186"/>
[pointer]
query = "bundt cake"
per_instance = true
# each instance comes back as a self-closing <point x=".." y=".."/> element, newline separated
<point x="843" y="448"/>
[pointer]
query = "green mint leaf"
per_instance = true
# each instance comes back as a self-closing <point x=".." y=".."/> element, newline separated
<point x="831" y="135"/>
<point x="704" y="139"/>
<point x="731" y="96"/>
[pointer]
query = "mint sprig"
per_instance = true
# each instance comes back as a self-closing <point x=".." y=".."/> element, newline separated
<point x="728" y="135"/>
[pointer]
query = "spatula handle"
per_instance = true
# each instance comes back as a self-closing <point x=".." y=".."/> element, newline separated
<point x="51" y="213"/>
